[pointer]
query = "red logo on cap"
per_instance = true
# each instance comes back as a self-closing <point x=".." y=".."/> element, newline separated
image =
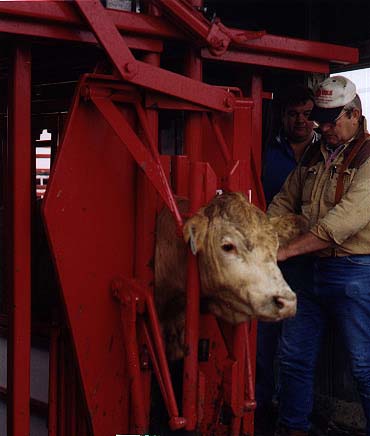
<point x="321" y="92"/>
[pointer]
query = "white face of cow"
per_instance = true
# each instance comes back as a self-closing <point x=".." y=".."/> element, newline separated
<point x="237" y="248"/>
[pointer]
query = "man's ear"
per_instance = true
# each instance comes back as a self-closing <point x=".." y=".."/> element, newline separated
<point x="355" y="113"/>
<point x="195" y="230"/>
<point x="289" y="227"/>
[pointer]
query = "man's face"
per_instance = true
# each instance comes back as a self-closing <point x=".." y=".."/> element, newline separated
<point x="341" y="130"/>
<point x="296" y="125"/>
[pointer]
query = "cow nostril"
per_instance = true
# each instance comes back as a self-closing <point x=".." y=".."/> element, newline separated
<point x="279" y="302"/>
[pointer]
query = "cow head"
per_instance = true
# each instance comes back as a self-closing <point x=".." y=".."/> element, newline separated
<point x="237" y="248"/>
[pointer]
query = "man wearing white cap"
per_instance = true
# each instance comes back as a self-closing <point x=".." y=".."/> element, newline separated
<point x="331" y="189"/>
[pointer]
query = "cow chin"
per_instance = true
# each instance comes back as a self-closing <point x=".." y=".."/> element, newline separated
<point x="229" y="312"/>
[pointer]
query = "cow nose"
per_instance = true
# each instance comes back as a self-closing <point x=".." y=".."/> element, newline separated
<point x="286" y="305"/>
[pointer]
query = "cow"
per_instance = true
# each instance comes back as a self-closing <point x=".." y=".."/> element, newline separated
<point x="237" y="245"/>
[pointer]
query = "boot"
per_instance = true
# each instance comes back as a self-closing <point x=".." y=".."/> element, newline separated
<point x="284" y="431"/>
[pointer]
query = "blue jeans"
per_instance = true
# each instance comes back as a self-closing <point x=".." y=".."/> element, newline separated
<point x="298" y="272"/>
<point x="341" y="291"/>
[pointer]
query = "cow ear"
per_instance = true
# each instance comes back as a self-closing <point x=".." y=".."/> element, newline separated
<point x="289" y="227"/>
<point x="194" y="231"/>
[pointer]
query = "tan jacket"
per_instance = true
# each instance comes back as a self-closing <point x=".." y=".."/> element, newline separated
<point x="310" y="190"/>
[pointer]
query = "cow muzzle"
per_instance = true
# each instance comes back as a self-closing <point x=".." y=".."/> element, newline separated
<point x="276" y="307"/>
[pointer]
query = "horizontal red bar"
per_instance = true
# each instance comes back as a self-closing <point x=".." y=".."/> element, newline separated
<point x="142" y="24"/>
<point x="270" y="60"/>
<point x="61" y="32"/>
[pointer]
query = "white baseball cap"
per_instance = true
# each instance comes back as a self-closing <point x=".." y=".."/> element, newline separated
<point x="331" y="96"/>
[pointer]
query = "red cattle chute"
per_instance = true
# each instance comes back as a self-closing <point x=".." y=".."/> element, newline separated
<point x="102" y="202"/>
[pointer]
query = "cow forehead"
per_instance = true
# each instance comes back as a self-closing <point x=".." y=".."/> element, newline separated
<point x="261" y="235"/>
<point x="231" y="215"/>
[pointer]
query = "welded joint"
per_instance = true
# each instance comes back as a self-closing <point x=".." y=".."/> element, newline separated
<point x="127" y="297"/>
<point x="220" y="37"/>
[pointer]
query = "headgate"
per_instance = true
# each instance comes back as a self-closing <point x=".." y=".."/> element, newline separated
<point x="107" y="184"/>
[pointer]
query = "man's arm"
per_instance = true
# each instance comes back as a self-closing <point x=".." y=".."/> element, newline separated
<point x="286" y="201"/>
<point x="306" y="243"/>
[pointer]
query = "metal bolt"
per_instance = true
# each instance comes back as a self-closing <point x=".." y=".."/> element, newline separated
<point x="130" y="69"/>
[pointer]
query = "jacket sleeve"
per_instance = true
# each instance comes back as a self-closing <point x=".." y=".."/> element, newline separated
<point x="288" y="199"/>
<point x="351" y="214"/>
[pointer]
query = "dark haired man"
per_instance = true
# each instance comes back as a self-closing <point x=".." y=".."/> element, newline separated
<point x="282" y="155"/>
<point x="280" y="158"/>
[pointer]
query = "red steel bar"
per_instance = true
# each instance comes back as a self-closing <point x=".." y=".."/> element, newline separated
<point x="153" y="169"/>
<point x="18" y="221"/>
<point x="225" y="150"/>
<point x="146" y="75"/>
<point x="146" y="204"/>
<point x="59" y="11"/>
<point x="176" y="421"/>
<point x="59" y="31"/>
<point x="214" y="34"/>
<point x="273" y="60"/>
<point x="240" y="356"/>
<point x="192" y="142"/>
<point x="257" y="90"/>
<point x="250" y="401"/>
<point x="187" y="15"/>
<point x="139" y="423"/>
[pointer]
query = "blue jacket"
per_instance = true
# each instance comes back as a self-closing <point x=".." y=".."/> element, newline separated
<point x="278" y="162"/>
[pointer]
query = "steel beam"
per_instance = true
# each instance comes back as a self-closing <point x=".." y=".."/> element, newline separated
<point x="149" y="76"/>
<point x="59" y="31"/>
<point x="193" y="147"/>
<point x="51" y="12"/>
<point x="272" y="60"/>
<point x="18" y="244"/>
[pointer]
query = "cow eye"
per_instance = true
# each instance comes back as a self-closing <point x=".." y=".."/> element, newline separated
<point x="228" y="247"/>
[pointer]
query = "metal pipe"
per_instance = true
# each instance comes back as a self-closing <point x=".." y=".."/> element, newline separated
<point x="18" y="243"/>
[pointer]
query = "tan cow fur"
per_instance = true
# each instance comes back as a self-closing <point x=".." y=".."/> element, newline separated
<point x="236" y="246"/>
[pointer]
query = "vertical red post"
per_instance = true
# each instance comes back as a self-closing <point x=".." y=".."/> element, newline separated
<point x="146" y="204"/>
<point x="257" y="90"/>
<point x="192" y="138"/>
<point x="18" y="243"/>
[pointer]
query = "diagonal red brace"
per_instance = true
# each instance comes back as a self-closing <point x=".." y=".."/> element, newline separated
<point x="216" y="35"/>
<point x="150" y="165"/>
<point x="146" y="75"/>
<point x="136" y="299"/>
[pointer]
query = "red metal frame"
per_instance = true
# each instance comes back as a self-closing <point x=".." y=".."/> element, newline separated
<point x="18" y="244"/>
<point x="105" y="346"/>
<point x="51" y="12"/>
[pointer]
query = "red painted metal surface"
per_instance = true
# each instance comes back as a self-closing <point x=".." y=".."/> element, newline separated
<point x="274" y="60"/>
<point x="18" y="243"/>
<point x="61" y="32"/>
<point x="55" y="11"/>
<point x="135" y="301"/>
<point x="146" y="206"/>
<point x="150" y="165"/>
<point x="192" y="144"/>
<point x="149" y="76"/>
<point x="99" y="233"/>
<point x="77" y="200"/>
